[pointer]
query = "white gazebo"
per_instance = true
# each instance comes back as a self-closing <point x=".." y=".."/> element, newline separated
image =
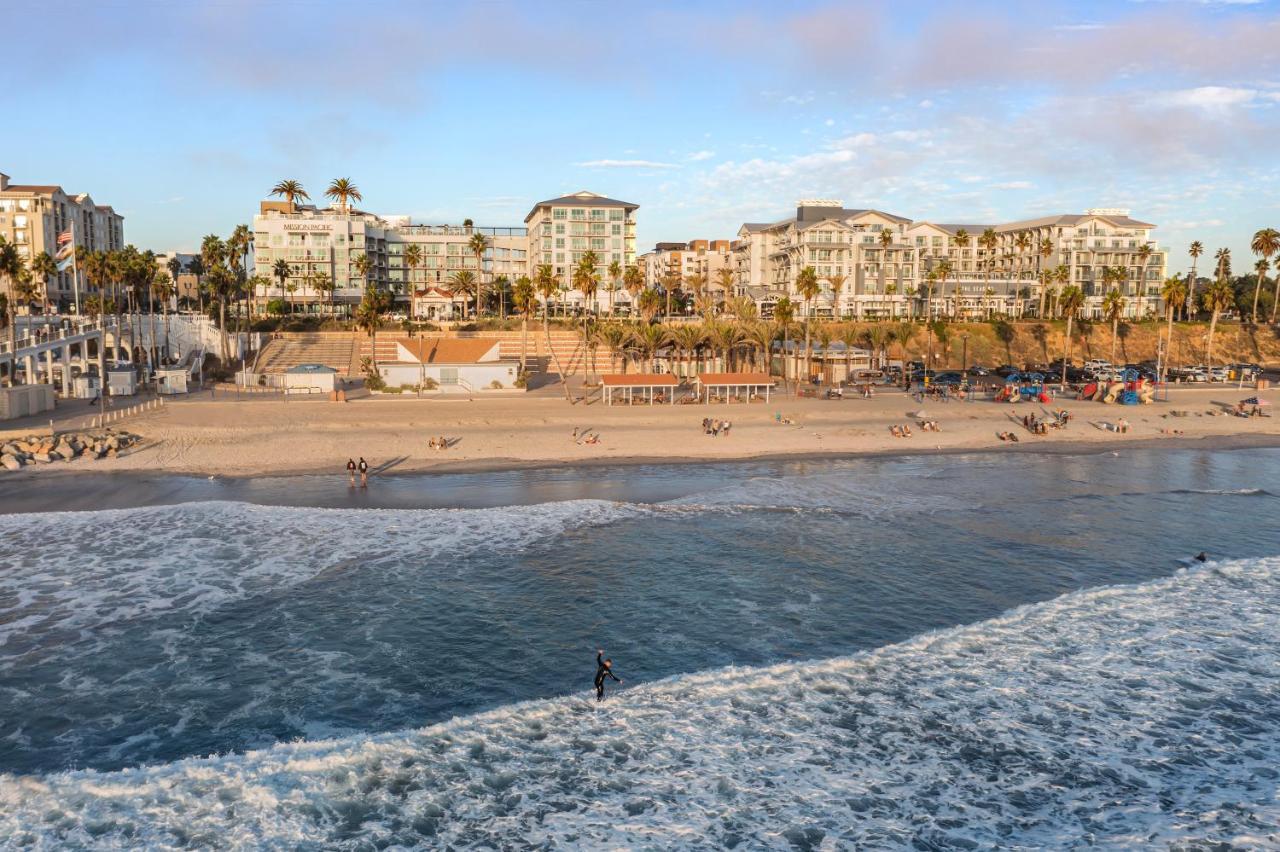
<point x="727" y="385"/>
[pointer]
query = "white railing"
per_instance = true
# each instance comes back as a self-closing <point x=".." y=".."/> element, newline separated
<point x="97" y="421"/>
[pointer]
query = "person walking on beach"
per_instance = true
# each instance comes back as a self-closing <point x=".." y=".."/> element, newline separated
<point x="351" y="470"/>
<point x="604" y="668"/>
<point x="364" y="472"/>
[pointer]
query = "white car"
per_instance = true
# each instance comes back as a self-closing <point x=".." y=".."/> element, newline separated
<point x="1218" y="374"/>
<point x="1097" y="364"/>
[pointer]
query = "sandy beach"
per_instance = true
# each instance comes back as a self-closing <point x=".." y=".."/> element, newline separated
<point x="231" y="437"/>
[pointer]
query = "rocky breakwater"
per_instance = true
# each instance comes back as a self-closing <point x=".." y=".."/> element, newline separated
<point x="37" y="449"/>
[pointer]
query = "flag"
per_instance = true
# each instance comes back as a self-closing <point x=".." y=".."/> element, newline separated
<point x="64" y="237"/>
<point x="65" y="252"/>
<point x="64" y="263"/>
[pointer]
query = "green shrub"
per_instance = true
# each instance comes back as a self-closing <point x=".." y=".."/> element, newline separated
<point x="495" y="385"/>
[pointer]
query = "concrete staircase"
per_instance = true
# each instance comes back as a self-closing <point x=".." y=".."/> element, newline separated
<point x="289" y="349"/>
<point x="566" y="345"/>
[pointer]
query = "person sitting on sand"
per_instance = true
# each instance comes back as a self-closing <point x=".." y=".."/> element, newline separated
<point x="442" y="443"/>
<point x="906" y="431"/>
<point x="895" y="431"/>
<point x="592" y="439"/>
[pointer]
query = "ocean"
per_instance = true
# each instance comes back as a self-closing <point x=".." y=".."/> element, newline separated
<point x="966" y="651"/>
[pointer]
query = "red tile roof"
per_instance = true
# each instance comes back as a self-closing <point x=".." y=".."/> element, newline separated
<point x="638" y="380"/>
<point x="735" y="379"/>
<point x="441" y="350"/>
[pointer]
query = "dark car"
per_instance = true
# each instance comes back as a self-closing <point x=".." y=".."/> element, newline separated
<point x="979" y="370"/>
<point x="949" y="378"/>
<point x="1006" y="370"/>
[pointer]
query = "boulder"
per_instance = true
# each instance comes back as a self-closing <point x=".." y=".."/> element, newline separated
<point x="112" y="453"/>
<point x="43" y="458"/>
<point x="10" y="462"/>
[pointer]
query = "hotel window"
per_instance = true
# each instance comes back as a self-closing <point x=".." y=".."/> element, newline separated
<point x="597" y="244"/>
<point x="615" y="215"/>
<point x="578" y="213"/>
<point x="559" y="213"/>
<point x="617" y="230"/>
<point x="597" y="230"/>
<point x="559" y="257"/>
<point x="598" y="215"/>
<point x="578" y="243"/>
<point x="560" y="242"/>
<point x="617" y="257"/>
<point x="559" y="227"/>
<point x="617" y="244"/>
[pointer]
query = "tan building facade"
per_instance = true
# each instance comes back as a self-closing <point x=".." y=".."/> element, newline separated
<point x="562" y="230"/>
<point x="32" y="216"/>
<point x="692" y="265"/>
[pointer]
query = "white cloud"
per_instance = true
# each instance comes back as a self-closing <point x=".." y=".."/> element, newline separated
<point x="830" y="122"/>
<point x="625" y="164"/>
<point x="1209" y="97"/>
<point x="699" y="156"/>
<point x="1014" y="184"/>
<point x="925" y="104"/>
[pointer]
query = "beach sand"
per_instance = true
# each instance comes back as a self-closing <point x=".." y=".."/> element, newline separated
<point x="256" y="437"/>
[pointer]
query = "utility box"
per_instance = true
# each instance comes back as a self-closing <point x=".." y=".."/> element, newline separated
<point x="86" y="387"/>
<point x="171" y="381"/>
<point x="122" y="382"/>
<point x="25" y="400"/>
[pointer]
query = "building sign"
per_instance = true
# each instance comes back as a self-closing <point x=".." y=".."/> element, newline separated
<point x="298" y="226"/>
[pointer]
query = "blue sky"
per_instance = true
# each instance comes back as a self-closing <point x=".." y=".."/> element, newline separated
<point x="183" y="114"/>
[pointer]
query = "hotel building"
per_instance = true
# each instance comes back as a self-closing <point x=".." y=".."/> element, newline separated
<point x="562" y="230"/>
<point x="682" y="261"/>
<point x="32" y="216"/>
<point x="323" y="244"/>
<point x="876" y="264"/>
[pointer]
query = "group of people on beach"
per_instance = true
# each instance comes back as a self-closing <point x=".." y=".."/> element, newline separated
<point x="440" y="443"/>
<point x="715" y="428"/>
<point x="897" y="431"/>
<point x="929" y="426"/>
<point x="585" y="436"/>
<point x="362" y="468"/>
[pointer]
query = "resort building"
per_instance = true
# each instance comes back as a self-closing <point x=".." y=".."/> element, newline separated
<point x="694" y="265"/>
<point x="561" y="230"/>
<point x="322" y="247"/>
<point x="40" y="218"/>
<point x="876" y="264"/>
<point x="186" y="282"/>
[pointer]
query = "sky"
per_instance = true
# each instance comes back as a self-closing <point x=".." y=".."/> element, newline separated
<point x="182" y="115"/>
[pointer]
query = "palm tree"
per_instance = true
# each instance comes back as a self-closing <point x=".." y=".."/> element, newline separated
<point x="343" y="191"/>
<point x="322" y="283"/>
<point x="463" y="283"/>
<point x="633" y="282"/>
<point x="759" y="336"/>
<point x="478" y="245"/>
<point x="546" y="283"/>
<point x="689" y="339"/>
<point x="412" y="259"/>
<point x="849" y="337"/>
<point x="1266" y="242"/>
<point x="501" y="286"/>
<point x="1196" y="249"/>
<point x="291" y="191"/>
<point x="724" y="278"/>
<point x="1112" y="310"/>
<point x="238" y="260"/>
<point x="877" y="337"/>
<point x="784" y="313"/>
<point x="615" y="281"/>
<point x="616" y="336"/>
<point x="647" y="340"/>
<point x="1071" y="300"/>
<point x="44" y="267"/>
<point x="669" y="282"/>
<point x="369" y="317"/>
<point x="213" y="252"/>
<point x="807" y="287"/>
<point x="697" y="282"/>
<point x="943" y="272"/>
<point x="10" y="266"/>
<point x="1174" y="294"/>
<point x="837" y="281"/>
<point x="1223" y="257"/>
<point x="649" y="303"/>
<point x="585" y="281"/>
<point x="525" y="301"/>
<point x="1218" y="297"/>
<point x="903" y="334"/>
<point x="1046" y="252"/>
<point x="281" y="272"/>
<point x="163" y="287"/>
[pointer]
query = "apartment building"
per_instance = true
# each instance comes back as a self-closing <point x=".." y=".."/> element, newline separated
<point x="322" y="245"/>
<point x="40" y="218"/>
<point x="561" y="230"/>
<point x="186" y="282"/>
<point x="697" y="263"/>
<point x="876" y="264"/>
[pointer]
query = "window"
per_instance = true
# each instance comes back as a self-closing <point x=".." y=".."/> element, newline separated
<point x="597" y="215"/>
<point x="560" y="242"/>
<point x="597" y="244"/>
<point x="559" y="213"/>
<point x="578" y="229"/>
<point x="617" y="230"/>
<point x="615" y="215"/>
<point x="559" y="227"/>
<point x="578" y="214"/>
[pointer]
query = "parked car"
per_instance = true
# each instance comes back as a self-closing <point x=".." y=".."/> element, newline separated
<point x="1006" y="370"/>
<point x="979" y="370"/>
<point x="1218" y="374"/>
<point x="1096" y="364"/>
<point x="949" y="378"/>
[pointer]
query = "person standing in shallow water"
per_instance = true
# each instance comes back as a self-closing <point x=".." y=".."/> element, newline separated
<point x="364" y="472"/>
<point x="604" y="668"/>
<point x="351" y="470"/>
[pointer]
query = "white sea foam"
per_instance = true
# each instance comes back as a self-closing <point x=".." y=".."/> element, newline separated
<point x="80" y="571"/>
<point x="1121" y="717"/>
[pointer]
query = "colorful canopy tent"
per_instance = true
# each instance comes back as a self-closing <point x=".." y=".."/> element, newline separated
<point x="726" y="384"/>
<point x="625" y="385"/>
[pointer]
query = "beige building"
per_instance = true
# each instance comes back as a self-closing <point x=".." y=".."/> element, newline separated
<point x="691" y="264"/>
<point x="876" y="264"/>
<point x="186" y="283"/>
<point x="321" y="245"/>
<point x="32" y="216"/>
<point x="562" y="230"/>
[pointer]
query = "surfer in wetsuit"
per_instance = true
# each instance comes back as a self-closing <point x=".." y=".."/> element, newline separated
<point x="351" y="470"/>
<point x="604" y="668"/>
<point x="1202" y="557"/>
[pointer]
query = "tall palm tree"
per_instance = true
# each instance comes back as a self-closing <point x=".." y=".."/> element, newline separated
<point x="943" y="271"/>
<point x="1071" y="300"/>
<point x="1112" y="309"/>
<point x="412" y="259"/>
<point x="837" y="281"/>
<point x="760" y="336"/>
<point x="1219" y="297"/>
<point x="616" y="336"/>
<point x="1266" y="242"/>
<point x="724" y="278"/>
<point x="43" y="267"/>
<point x="1045" y="251"/>
<point x="849" y="338"/>
<point x="633" y="282"/>
<point x="1144" y="259"/>
<point x="525" y="301"/>
<point x="697" y="282"/>
<point x="291" y="191"/>
<point x="478" y="245"/>
<point x="1174" y="294"/>
<point x="547" y="284"/>
<point x="281" y="272"/>
<point x="585" y="281"/>
<point x="808" y="289"/>
<point x="1196" y="249"/>
<point x="649" y="303"/>
<point x="784" y="314"/>
<point x="688" y="339"/>
<point x="647" y="339"/>
<point x="163" y="287"/>
<point x="343" y="191"/>
<point x="1223" y="257"/>
<point x="501" y="286"/>
<point x="988" y="242"/>
<point x="213" y="253"/>
<point x="903" y="333"/>
<point x="615" y="281"/>
<point x="877" y="337"/>
<point x="238" y="260"/>
<point x="669" y="282"/>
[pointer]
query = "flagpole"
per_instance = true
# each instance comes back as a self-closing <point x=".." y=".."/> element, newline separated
<point x="75" y="270"/>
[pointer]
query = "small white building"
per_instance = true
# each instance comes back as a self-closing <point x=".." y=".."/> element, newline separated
<point x="122" y="382"/>
<point x="310" y="378"/>
<point x="171" y="380"/>
<point x="453" y="364"/>
<point x="437" y="303"/>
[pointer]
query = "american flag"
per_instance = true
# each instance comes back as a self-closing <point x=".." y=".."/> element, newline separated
<point x="64" y="237"/>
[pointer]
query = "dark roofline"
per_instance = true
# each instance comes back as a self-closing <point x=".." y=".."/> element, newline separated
<point x="575" y="201"/>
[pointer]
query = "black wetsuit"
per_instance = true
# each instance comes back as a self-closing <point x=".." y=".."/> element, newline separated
<point x="601" y="671"/>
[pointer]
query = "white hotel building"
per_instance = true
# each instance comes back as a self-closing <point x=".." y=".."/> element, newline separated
<point x="874" y="264"/>
<point x="315" y="241"/>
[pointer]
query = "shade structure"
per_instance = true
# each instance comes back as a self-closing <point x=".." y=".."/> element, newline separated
<point x="727" y="384"/>
<point x="651" y="386"/>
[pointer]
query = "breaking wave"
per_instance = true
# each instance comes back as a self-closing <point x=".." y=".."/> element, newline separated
<point x="1127" y="716"/>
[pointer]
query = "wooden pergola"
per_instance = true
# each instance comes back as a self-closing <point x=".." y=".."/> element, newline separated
<point x="625" y="386"/>
<point x="727" y="383"/>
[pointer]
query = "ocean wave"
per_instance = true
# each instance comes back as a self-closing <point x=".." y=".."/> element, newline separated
<point x="1132" y="716"/>
<point x="74" y="571"/>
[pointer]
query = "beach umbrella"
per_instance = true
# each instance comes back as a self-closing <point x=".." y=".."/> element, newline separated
<point x="1253" y="400"/>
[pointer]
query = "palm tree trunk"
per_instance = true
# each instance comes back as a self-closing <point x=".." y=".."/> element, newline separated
<point x="1115" y="323"/>
<point x="1257" y="289"/>
<point x="1213" y="326"/>
<point x="1275" y="301"/>
<point x="1066" y="356"/>
<point x="546" y="330"/>
<point x="524" y="340"/>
